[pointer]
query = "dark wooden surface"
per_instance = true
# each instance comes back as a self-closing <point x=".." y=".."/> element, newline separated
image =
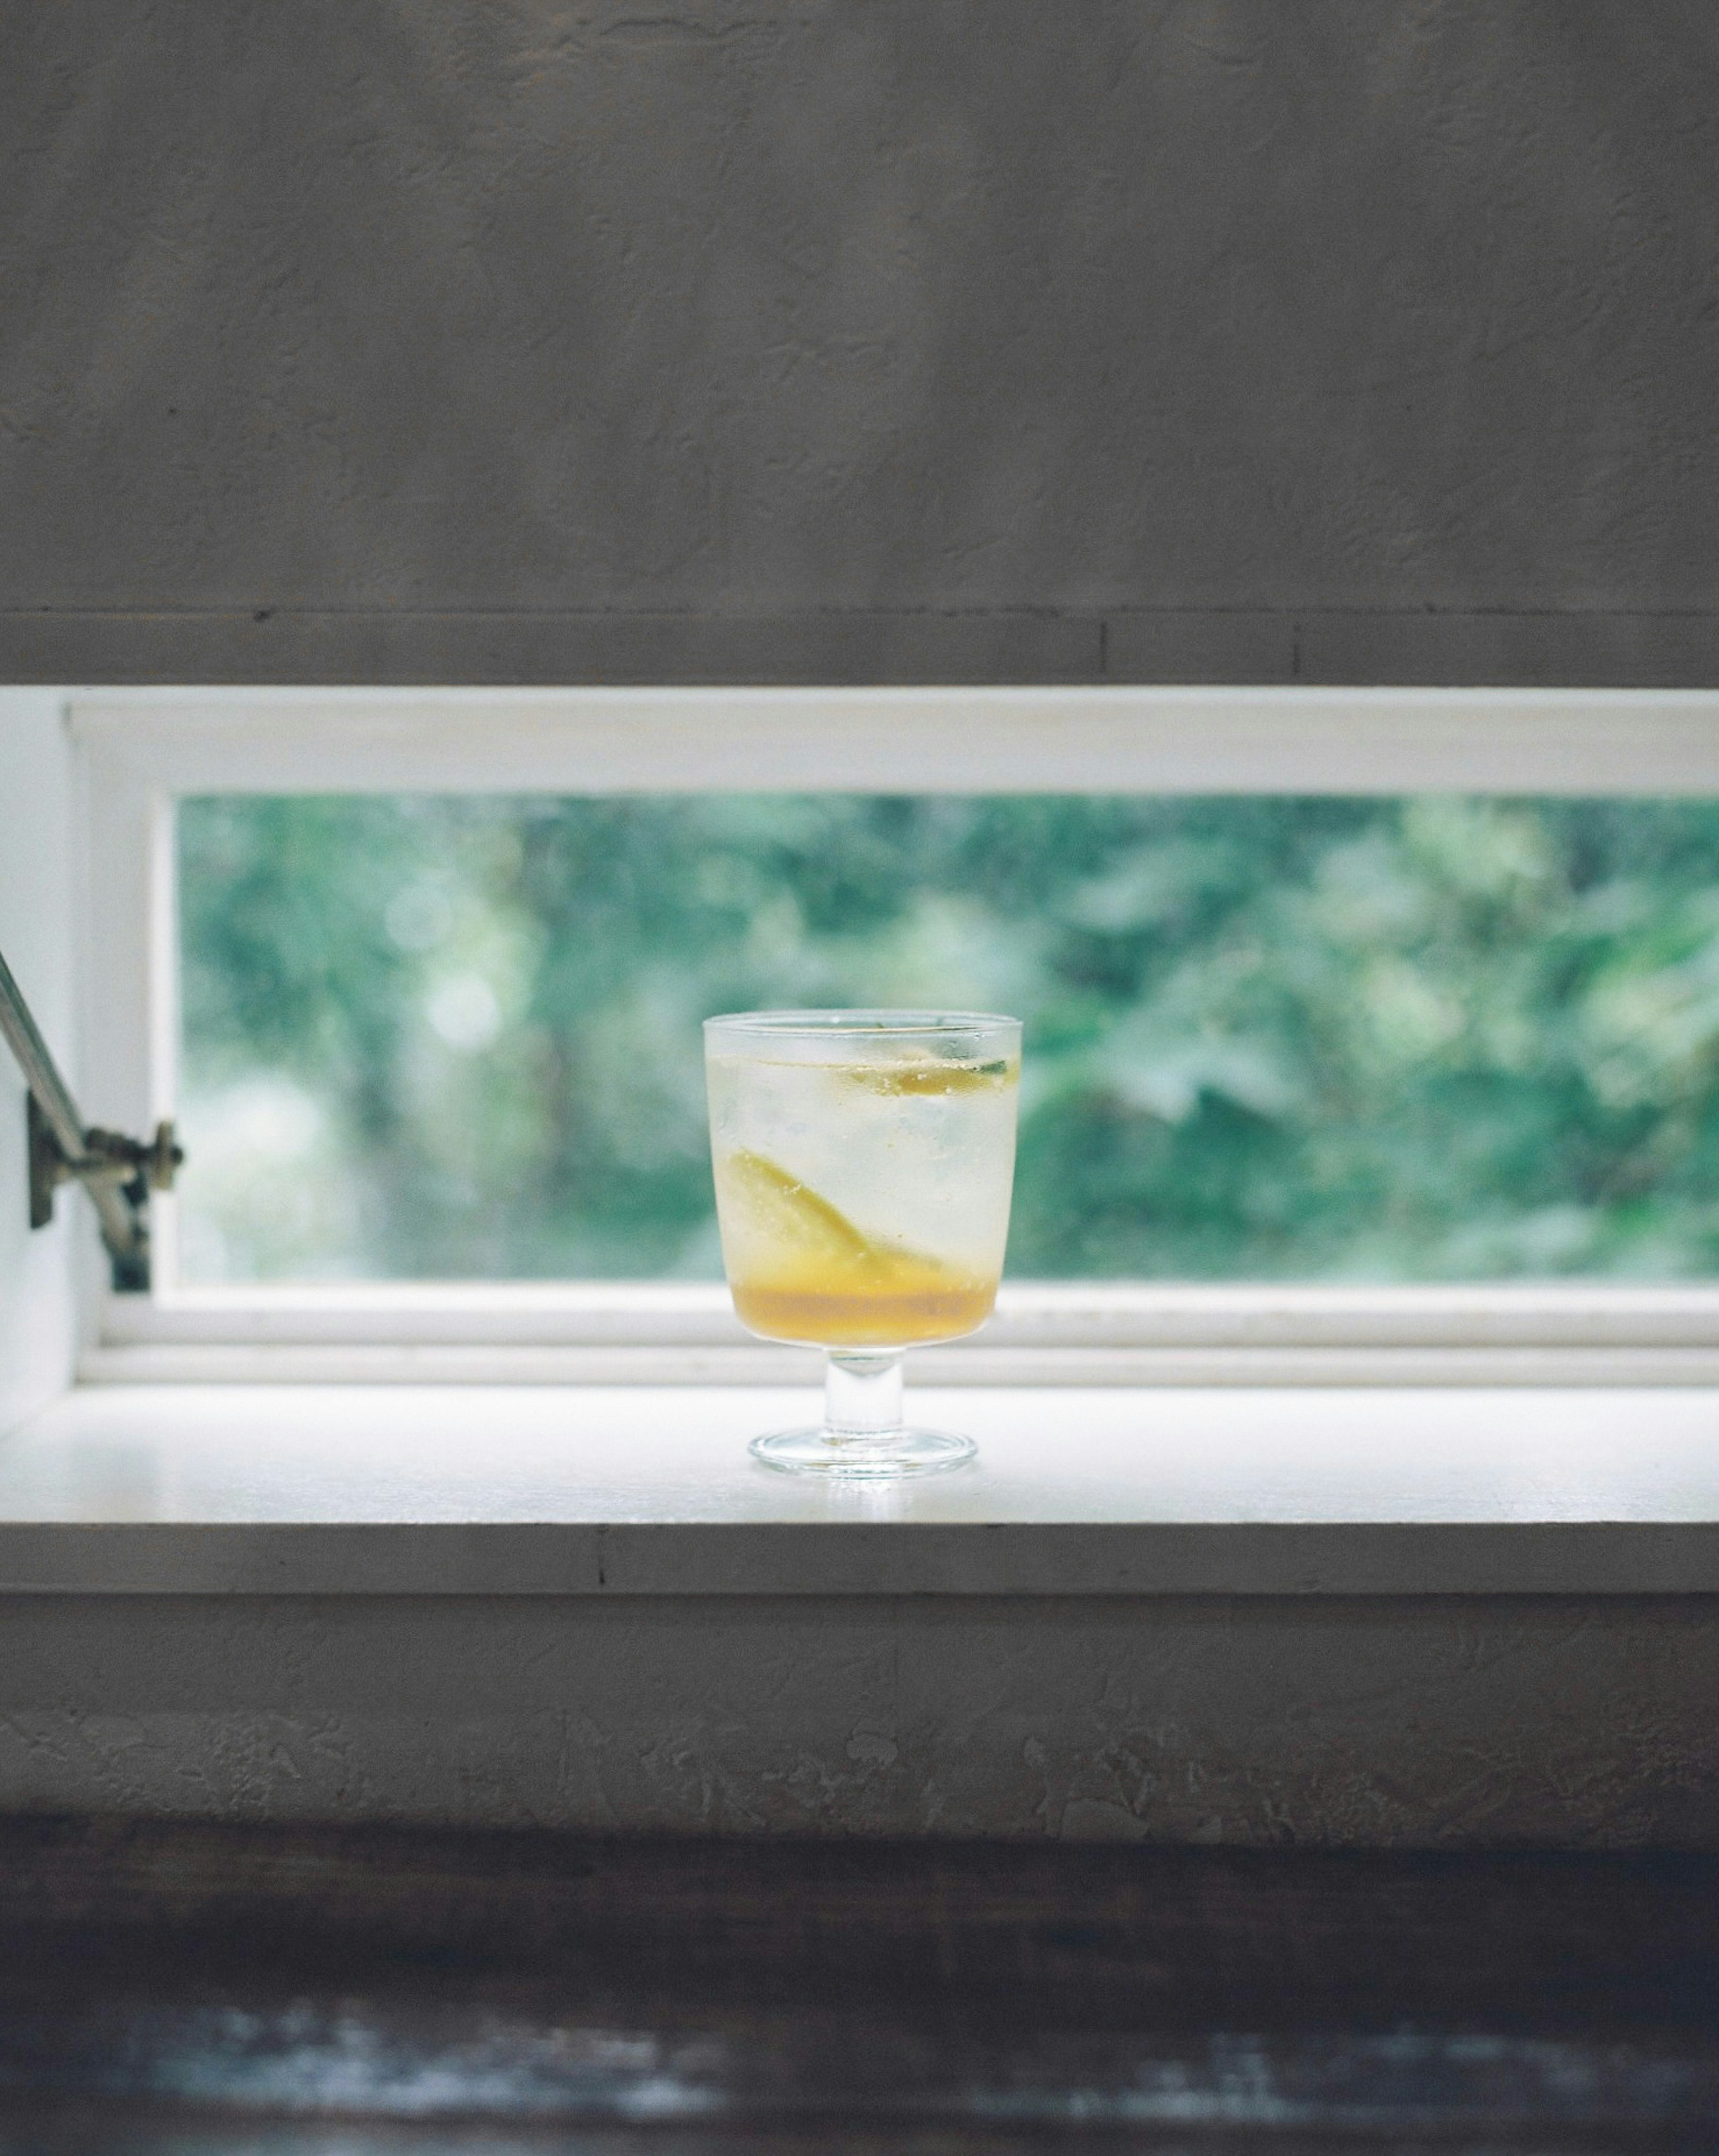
<point x="168" y="1988"/>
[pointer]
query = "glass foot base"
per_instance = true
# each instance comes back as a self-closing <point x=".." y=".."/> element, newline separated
<point x="882" y="1458"/>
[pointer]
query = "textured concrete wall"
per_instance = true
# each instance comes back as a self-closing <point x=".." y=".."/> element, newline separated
<point x="1439" y="1721"/>
<point x="853" y="339"/>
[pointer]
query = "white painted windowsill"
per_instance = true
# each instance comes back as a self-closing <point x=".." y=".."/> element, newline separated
<point x="373" y="1489"/>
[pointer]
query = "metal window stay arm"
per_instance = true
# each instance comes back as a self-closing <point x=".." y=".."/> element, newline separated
<point x="118" y="1173"/>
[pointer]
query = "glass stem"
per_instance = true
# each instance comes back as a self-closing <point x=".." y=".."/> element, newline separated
<point x="862" y="1395"/>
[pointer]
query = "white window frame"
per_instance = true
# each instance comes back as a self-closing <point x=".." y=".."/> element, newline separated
<point x="138" y="750"/>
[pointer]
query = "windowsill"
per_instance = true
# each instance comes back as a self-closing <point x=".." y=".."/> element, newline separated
<point x="635" y="1490"/>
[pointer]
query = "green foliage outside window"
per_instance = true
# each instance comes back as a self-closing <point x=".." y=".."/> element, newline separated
<point x="1438" y="1038"/>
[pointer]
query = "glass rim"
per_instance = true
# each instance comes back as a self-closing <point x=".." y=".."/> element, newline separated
<point x="816" y="1024"/>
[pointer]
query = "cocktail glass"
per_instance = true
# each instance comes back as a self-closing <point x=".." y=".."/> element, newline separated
<point x="863" y="1164"/>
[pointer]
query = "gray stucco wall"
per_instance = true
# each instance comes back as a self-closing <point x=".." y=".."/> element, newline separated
<point x="860" y="339"/>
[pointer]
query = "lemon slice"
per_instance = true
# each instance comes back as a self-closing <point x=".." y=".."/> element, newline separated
<point x="782" y="1209"/>
<point x="800" y="1270"/>
<point x="933" y="1076"/>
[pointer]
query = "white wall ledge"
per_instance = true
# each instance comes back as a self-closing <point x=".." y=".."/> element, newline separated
<point x="1415" y="1619"/>
<point x="636" y="1492"/>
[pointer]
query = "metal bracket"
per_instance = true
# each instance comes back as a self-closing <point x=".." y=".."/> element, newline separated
<point x="119" y="1173"/>
<point x="126" y="1167"/>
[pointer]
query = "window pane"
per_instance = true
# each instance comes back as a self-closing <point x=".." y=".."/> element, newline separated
<point x="1431" y="1038"/>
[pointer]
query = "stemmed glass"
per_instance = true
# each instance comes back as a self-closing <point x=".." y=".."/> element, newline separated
<point x="863" y="1164"/>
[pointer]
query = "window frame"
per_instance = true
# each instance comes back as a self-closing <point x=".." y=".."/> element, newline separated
<point x="136" y="750"/>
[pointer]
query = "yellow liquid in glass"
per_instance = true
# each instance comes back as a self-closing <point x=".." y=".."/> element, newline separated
<point x="809" y="1274"/>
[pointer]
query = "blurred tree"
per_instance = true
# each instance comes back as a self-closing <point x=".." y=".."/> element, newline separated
<point x="1431" y="1038"/>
